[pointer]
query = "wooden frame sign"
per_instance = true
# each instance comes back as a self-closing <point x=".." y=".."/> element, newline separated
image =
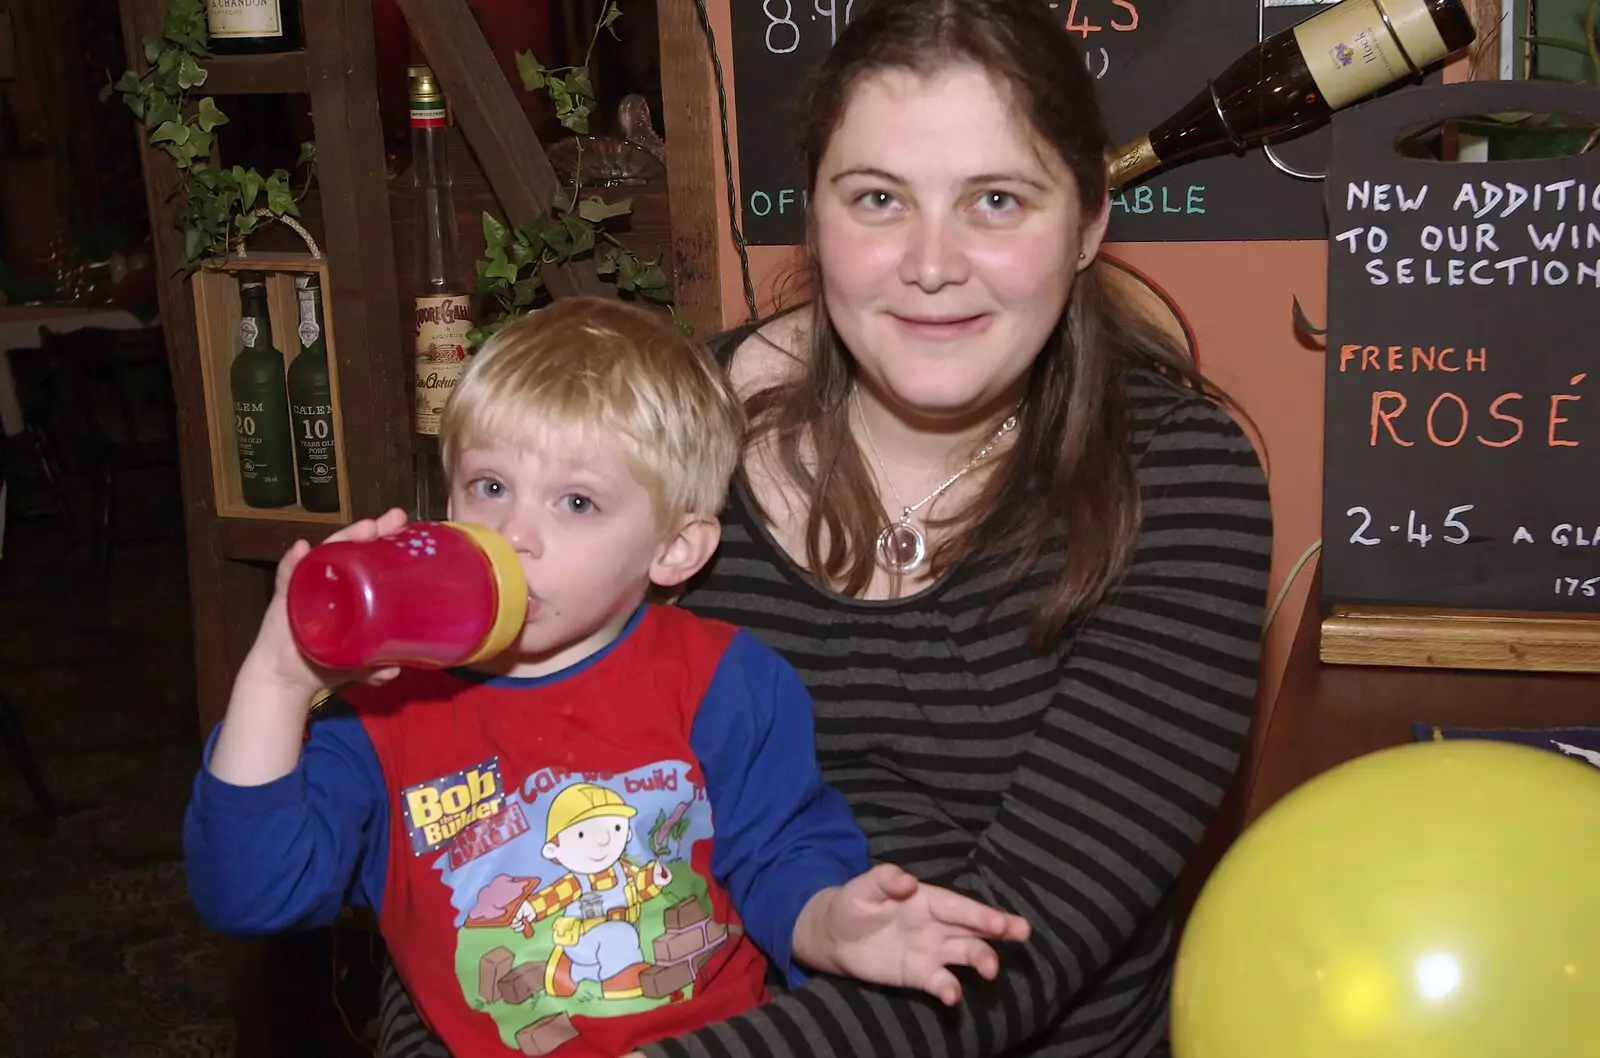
<point x="1461" y="522"/>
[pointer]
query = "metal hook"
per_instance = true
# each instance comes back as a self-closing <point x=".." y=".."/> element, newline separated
<point x="1287" y="169"/>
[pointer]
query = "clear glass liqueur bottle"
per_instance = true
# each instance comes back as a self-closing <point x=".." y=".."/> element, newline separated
<point x="1301" y="75"/>
<point x="441" y="298"/>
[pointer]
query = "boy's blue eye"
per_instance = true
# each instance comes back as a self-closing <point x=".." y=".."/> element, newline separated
<point x="489" y="488"/>
<point x="577" y="503"/>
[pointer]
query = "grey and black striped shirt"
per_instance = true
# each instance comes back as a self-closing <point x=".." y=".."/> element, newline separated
<point x="1067" y="787"/>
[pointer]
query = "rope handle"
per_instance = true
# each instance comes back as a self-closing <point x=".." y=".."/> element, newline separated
<point x="294" y="225"/>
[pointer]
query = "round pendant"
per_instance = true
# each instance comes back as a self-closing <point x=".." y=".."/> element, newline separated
<point x="901" y="548"/>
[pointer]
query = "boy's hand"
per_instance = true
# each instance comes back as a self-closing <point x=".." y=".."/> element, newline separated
<point x="274" y="656"/>
<point x="887" y="927"/>
<point x="262" y="732"/>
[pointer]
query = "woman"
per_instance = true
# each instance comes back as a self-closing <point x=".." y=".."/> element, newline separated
<point x="1012" y="542"/>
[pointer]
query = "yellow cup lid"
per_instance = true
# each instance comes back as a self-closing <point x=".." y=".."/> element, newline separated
<point x="510" y="583"/>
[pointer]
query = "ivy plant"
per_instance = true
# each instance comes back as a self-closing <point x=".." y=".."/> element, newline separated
<point x="215" y="206"/>
<point x="574" y="229"/>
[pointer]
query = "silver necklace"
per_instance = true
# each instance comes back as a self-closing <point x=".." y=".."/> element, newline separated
<point x="901" y="547"/>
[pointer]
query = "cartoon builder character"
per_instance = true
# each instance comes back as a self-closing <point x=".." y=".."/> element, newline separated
<point x="596" y="939"/>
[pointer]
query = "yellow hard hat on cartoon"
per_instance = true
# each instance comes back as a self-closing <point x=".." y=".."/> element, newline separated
<point x="581" y="801"/>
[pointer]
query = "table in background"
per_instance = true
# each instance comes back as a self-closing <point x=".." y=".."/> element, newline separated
<point x="1325" y="715"/>
<point x="19" y="329"/>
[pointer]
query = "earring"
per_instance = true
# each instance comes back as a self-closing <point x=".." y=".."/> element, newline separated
<point x="1080" y="255"/>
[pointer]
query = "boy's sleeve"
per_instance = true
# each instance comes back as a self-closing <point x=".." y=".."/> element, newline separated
<point x="290" y="853"/>
<point x="781" y="834"/>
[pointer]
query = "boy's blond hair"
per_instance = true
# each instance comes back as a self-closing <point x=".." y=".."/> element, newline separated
<point x="587" y="367"/>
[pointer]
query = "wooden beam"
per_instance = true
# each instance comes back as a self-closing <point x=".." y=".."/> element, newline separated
<point x="285" y="73"/>
<point x="694" y="172"/>
<point x="495" y="125"/>
<point x="373" y="369"/>
<point x="213" y="664"/>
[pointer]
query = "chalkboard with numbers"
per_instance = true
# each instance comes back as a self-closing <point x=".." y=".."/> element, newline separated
<point x="1150" y="57"/>
<point x="1462" y="430"/>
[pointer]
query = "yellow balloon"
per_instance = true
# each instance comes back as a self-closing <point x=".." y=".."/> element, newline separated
<point x="1435" y="900"/>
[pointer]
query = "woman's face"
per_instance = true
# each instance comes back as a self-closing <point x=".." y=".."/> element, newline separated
<point x="948" y="236"/>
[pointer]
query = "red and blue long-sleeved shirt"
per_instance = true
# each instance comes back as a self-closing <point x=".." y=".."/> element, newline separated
<point x="576" y="863"/>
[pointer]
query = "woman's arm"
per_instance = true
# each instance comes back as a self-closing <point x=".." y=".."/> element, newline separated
<point x="1124" y="772"/>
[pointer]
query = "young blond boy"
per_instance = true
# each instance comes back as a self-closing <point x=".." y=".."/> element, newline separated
<point x="603" y="836"/>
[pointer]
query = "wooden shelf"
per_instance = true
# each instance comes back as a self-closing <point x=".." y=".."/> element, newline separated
<point x="285" y="73"/>
<point x="265" y="540"/>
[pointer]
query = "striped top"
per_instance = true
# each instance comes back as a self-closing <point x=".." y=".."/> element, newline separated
<point x="1068" y="787"/>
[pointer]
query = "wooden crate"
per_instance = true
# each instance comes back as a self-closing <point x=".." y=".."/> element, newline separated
<point x="216" y="309"/>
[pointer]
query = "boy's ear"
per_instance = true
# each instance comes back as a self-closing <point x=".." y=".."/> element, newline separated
<point x="689" y="548"/>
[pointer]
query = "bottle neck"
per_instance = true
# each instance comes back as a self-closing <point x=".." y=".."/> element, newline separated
<point x="255" y="325"/>
<point x="313" y="334"/>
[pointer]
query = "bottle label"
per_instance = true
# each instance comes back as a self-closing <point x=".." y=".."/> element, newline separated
<point x="250" y="426"/>
<point x="441" y="355"/>
<point x="244" y="18"/>
<point x="310" y="331"/>
<point x="429" y="113"/>
<point x="249" y="330"/>
<point x="313" y="438"/>
<point x="1351" y="53"/>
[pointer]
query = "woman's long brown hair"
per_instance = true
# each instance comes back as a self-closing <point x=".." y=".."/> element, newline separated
<point x="1069" y="474"/>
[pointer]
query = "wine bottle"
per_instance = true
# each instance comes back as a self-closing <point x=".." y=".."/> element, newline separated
<point x="1336" y="57"/>
<point x="251" y="27"/>
<point x="441" y="298"/>
<point x="260" y="404"/>
<point x="311" y="405"/>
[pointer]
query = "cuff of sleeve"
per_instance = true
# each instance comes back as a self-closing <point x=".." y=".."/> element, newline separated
<point x="215" y="793"/>
<point x="787" y="907"/>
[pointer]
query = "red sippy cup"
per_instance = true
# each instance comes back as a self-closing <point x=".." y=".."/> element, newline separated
<point x="432" y="596"/>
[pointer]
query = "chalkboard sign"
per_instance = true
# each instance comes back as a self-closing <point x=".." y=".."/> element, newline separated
<point x="1462" y="427"/>
<point x="1150" y="56"/>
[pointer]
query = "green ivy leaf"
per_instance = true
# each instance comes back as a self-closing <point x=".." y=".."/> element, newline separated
<point x="557" y="239"/>
<point x="249" y="188"/>
<point x="190" y="75"/>
<point x="170" y="132"/>
<point x="193" y="240"/>
<point x="610" y="15"/>
<point x="209" y="117"/>
<point x="607" y="264"/>
<point x="161" y="111"/>
<point x="596" y="209"/>
<point x="199" y="144"/>
<point x="627" y="267"/>
<point x="579" y="235"/>
<point x="153" y="47"/>
<point x="578" y="84"/>
<point x="502" y="269"/>
<point x="531" y="70"/>
<point x="280" y="197"/>
<point x="308" y="154"/>
<point x="494" y="233"/>
<point x="525" y="291"/>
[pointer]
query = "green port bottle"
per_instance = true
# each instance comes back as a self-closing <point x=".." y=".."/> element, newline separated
<point x="311" y="405"/>
<point x="261" y="404"/>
